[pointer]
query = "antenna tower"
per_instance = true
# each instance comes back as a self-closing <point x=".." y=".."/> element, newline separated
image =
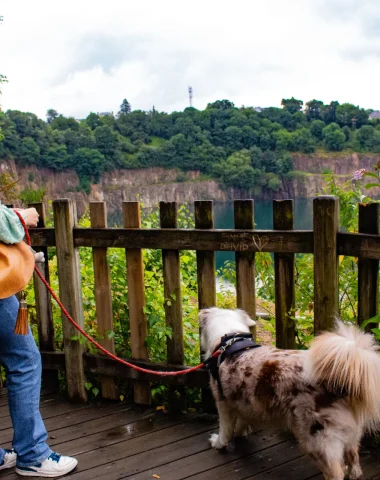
<point x="190" y="96"/>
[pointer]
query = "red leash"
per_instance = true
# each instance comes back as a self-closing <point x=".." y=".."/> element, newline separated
<point x="94" y="342"/>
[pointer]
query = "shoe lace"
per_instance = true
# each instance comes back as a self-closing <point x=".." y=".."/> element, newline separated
<point x="8" y="451"/>
<point x="55" y="457"/>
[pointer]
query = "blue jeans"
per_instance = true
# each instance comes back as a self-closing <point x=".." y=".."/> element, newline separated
<point x="21" y="358"/>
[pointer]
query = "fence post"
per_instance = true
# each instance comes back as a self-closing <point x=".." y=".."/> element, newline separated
<point x="173" y="302"/>
<point x="204" y="219"/>
<point x="326" y="226"/>
<point x="136" y="299"/>
<point x="103" y="295"/>
<point x="284" y="265"/>
<point x="43" y="305"/>
<point x="70" y="291"/>
<point x="368" y="279"/>
<point x="245" y="261"/>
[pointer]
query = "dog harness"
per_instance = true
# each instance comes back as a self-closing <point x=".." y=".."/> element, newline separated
<point x="230" y="344"/>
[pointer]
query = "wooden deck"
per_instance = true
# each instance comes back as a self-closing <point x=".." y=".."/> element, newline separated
<point x="115" y="441"/>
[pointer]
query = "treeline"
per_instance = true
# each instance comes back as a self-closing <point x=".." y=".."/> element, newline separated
<point x="244" y="147"/>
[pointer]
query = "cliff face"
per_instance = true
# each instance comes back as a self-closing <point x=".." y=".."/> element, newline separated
<point x="157" y="184"/>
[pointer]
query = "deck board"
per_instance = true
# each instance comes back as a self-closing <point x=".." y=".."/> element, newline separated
<point x="118" y="441"/>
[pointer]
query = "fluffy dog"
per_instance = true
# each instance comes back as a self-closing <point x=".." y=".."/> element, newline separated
<point x="328" y="395"/>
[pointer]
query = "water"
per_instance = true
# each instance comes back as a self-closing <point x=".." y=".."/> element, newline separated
<point x="224" y="218"/>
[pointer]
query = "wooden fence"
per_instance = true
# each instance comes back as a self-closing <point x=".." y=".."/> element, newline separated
<point x="325" y="241"/>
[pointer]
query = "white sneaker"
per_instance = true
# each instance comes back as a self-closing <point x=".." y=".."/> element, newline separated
<point x="9" y="459"/>
<point x="54" y="466"/>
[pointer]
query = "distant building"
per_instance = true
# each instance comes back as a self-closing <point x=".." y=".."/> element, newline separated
<point x="375" y="115"/>
<point x="258" y="109"/>
<point x="105" y="114"/>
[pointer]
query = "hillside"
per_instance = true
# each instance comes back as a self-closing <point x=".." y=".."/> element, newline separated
<point x="250" y="149"/>
<point x="151" y="185"/>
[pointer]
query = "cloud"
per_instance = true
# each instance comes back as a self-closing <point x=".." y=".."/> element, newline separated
<point x="82" y="56"/>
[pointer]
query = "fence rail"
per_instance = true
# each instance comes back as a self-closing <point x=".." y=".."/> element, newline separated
<point x="325" y="242"/>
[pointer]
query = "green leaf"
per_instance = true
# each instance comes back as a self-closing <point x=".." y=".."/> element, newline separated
<point x="376" y="331"/>
<point x="110" y="335"/>
<point x="88" y="386"/>
<point x="372" y="185"/>
<point x="375" y="319"/>
<point x="95" y="391"/>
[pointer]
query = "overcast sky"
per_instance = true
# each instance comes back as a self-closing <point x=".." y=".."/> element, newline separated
<point x="79" y="56"/>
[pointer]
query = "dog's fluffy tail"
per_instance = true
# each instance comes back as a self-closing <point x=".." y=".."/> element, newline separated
<point x="347" y="361"/>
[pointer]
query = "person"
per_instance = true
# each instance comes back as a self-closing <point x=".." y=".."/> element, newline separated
<point x="22" y="361"/>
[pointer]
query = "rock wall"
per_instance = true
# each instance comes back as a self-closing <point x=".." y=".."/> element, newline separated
<point x="158" y="184"/>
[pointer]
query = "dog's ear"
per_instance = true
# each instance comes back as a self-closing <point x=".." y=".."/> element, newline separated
<point x="203" y="317"/>
<point x="246" y="318"/>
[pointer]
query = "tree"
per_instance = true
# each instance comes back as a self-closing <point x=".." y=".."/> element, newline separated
<point x="125" y="107"/>
<point x="93" y="120"/>
<point x="89" y="162"/>
<point x="29" y="151"/>
<point x="63" y="123"/>
<point x="302" y="141"/>
<point x="220" y="105"/>
<point x="236" y="170"/>
<point x="333" y="137"/>
<point x="283" y="139"/>
<point x="329" y="113"/>
<point x="316" y="128"/>
<point x="107" y="142"/>
<point x="51" y="115"/>
<point x="314" y="110"/>
<point x="292" y="105"/>
<point x="57" y="158"/>
<point x="350" y="115"/>
<point x="365" y="136"/>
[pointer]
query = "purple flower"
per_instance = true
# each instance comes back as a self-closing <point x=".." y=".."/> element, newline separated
<point x="358" y="175"/>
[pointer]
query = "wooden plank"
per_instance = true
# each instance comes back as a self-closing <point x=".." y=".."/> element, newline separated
<point x="284" y="267"/>
<point x="70" y="293"/>
<point x="42" y="237"/>
<point x="298" y="469"/>
<point x="135" y="424"/>
<point x="269" y="451"/>
<point x="198" y="239"/>
<point x="351" y="244"/>
<point x="52" y="411"/>
<point x="77" y="423"/>
<point x="204" y="219"/>
<point x="44" y="312"/>
<point x="103" y="296"/>
<point x="102" y="365"/>
<point x="173" y="302"/>
<point x="128" y="449"/>
<point x="188" y="442"/>
<point x="326" y="226"/>
<point x="359" y="245"/>
<point x="245" y="261"/>
<point x="136" y="299"/>
<point x="368" y="270"/>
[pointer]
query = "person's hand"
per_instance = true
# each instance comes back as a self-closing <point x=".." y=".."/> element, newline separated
<point x="30" y="215"/>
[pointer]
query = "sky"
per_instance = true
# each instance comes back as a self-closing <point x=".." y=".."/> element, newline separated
<point x="86" y="56"/>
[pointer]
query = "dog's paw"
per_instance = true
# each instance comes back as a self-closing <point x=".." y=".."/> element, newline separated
<point x="215" y="442"/>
